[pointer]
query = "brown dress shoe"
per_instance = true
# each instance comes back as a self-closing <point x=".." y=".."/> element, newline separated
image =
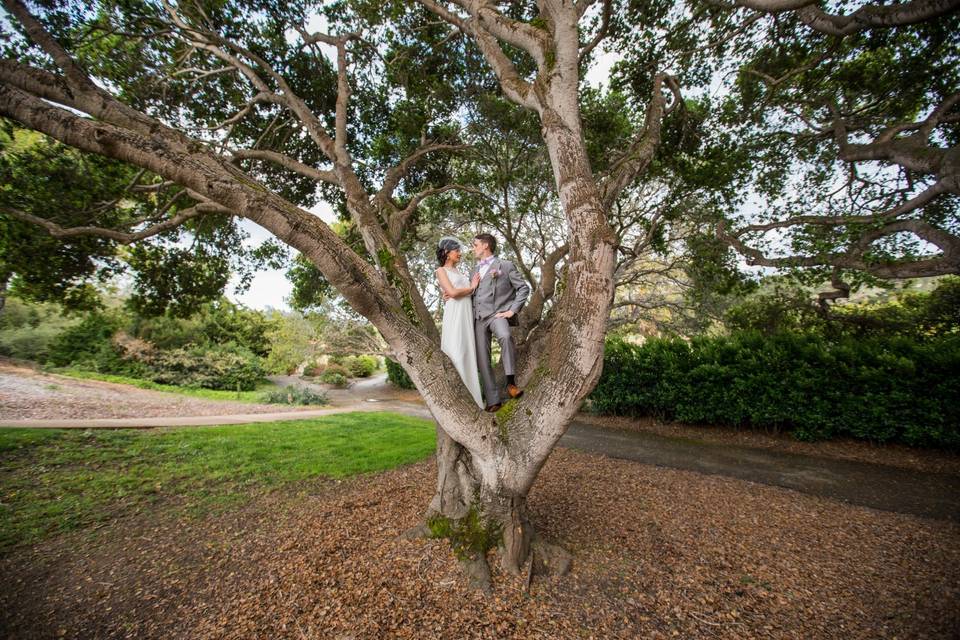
<point x="514" y="391"/>
<point x="493" y="408"/>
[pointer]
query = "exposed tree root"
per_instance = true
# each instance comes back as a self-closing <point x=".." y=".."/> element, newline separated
<point x="421" y="531"/>
<point x="477" y="572"/>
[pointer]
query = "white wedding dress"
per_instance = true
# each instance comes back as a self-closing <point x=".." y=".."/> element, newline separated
<point x="457" y="338"/>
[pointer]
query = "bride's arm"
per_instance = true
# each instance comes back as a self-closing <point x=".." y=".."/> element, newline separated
<point x="448" y="288"/>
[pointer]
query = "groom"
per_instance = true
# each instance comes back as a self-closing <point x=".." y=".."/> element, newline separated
<point x="497" y="300"/>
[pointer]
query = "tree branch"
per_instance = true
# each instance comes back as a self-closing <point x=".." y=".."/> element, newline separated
<point x="213" y="43"/>
<point x="601" y="33"/>
<point x="122" y="237"/>
<point x="947" y="262"/>
<point x="911" y="152"/>
<point x="907" y="206"/>
<point x="245" y="110"/>
<point x="641" y="151"/>
<point x="75" y="89"/>
<point x="520" y="34"/>
<point x="400" y="218"/>
<point x="545" y="289"/>
<point x="514" y="87"/>
<point x="343" y="84"/>
<point x="873" y="16"/>
<point x="400" y="171"/>
<point x="287" y="163"/>
<point x="866" y="17"/>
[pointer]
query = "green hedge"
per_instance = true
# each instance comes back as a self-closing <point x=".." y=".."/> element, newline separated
<point x="397" y="375"/>
<point x="882" y="389"/>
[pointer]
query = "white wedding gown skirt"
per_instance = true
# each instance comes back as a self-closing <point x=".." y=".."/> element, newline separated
<point x="457" y="338"/>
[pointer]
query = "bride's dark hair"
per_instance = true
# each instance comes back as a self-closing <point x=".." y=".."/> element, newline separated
<point x="444" y="248"/>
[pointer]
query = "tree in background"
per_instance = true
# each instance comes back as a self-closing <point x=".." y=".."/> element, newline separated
<point x="48" y="183"/>
<point x="293" y="341"/>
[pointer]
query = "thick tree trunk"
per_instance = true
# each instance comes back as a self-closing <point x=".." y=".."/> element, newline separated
<point x="478" y="508"/>
<point x="457" y="481"/>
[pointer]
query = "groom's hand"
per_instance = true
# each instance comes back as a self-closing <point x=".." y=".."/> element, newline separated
<point x="504" y="314"/>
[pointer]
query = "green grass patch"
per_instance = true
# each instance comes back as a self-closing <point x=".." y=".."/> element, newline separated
<point x="56" y="480"/>
<point x="207" y="394"/>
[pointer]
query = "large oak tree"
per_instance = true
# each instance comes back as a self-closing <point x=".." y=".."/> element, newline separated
<point x="235" y="111"/>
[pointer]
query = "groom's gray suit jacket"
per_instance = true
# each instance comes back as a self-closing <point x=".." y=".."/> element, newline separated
<point x="501" y="289"/>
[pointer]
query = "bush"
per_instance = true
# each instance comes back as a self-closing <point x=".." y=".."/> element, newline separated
<point x="334" y="378"/>
<point x="28" y="330"/>
<point x="881" y="389"/>
<point x="313" y="369"/>
<point x="228" y="367"/>
<point x="297" y="394"/>
<point x="168" y="332"/>
<point x="910" y="314"/>
<point x="291" y="340"/>
<point x="360" y="366"/>
<point x="87" y="341"/>
<point x="338" y="369"/>
<point x="28" y="343"/>
<point x="397" y="376"/>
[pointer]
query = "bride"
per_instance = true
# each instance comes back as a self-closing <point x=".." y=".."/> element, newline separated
<point x="457" y="338"/>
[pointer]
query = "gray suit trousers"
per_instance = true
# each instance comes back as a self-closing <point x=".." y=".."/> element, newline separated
<point x="501" y="329"/>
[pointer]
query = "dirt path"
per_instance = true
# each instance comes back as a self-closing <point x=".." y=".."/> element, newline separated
<point x="30" y="394"/>
<point x="35" y="399"/>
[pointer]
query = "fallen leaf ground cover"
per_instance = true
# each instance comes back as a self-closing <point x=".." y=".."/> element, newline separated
<point x="658" y="553"/>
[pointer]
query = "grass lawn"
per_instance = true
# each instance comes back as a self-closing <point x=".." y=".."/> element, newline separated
<point x="208" y="394"/>
<point x="58" y="480"/>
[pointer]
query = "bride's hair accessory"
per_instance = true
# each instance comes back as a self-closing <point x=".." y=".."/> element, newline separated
<point x="445" y="246"/>
<point x="446" y="240"/>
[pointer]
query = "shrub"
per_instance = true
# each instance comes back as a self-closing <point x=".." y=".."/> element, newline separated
<point x="168" y="332"/>
<point x="28" y="343"/>
<point x="84" y="342"/>
<point x="334" y="378"/>
<point x="911" y="314"/>
<point x="360" y="366"/>
<point x="297" y="394"/>
<point x="338" y="369"/>
<point x="227" y="367"/>
<point x="397" y="376"/>
<point x="28" y="330"/>
<point x="313" y="369"/>
<point x="291" y="341"/>
<point x="882" y="389"/>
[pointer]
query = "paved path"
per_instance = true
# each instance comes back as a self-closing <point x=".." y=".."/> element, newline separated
<point x="931" y="495"/>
